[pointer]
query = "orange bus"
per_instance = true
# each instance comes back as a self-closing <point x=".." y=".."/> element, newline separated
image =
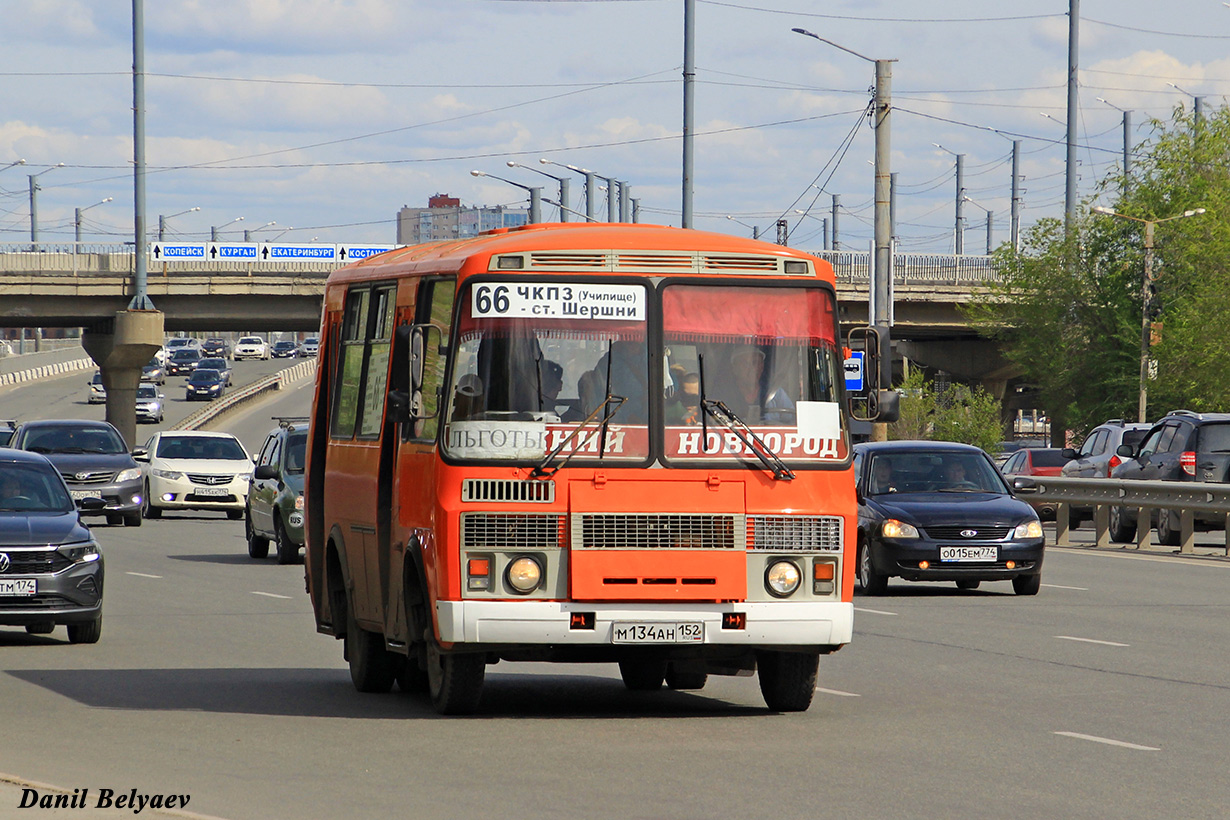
<point x="582" y="443"/>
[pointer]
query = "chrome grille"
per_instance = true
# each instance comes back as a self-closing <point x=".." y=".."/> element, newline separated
<point x="796" y="532"/>
<point x="657" y="531"/>
<point x="89" y="477"/>
<point x="209" y="480"/>
<point x="498" y="489"/>
<point x="956" y="532"/>
<point x="510" y="531"/>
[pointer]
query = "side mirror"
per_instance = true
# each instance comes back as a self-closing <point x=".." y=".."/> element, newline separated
<point x="140" y="454"/>
<point x="1024" y="484"/>
<point x="1125" y="451"/>
<point x="265" y="472"/>
<point x="1069" y="453"/>
<point x="888" y="405"/>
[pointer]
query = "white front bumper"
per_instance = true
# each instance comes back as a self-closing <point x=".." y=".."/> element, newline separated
<point x="547" y="622"/>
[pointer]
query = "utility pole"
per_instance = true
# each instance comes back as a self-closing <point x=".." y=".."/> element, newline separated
<point x="1069" y="199"/>
<point x="836" y="205"/>
<point x="1016" y="195"/>
<point x="689" y="75"/>
<point x="959" y="233"/>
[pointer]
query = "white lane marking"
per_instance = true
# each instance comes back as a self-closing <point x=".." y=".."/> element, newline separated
<point x="1090" y="640"/>
<point x="1061" y="586"/>
<point x="838" y="693"/>
<point x="873" y="611"/>
<point x="1109" y="742"/>
<point x="143" y="575"/>
<point x="1158" y="559"/>
<point x="271" y="595"/>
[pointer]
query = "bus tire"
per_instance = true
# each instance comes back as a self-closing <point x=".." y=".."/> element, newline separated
<point x="642" y="675"/>
<point x="372" y="668"/>
<point x="787" y="679"/>
<point x="455" y="681"/>
<point x="676" y="679"/>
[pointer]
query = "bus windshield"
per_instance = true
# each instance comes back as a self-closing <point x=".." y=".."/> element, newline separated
<point x="534" y="361"/>
<point x="768" y="356"/>
<point x="538" y="363"/>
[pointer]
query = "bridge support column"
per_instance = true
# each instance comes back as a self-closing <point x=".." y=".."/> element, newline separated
<point x="122" y="349"/>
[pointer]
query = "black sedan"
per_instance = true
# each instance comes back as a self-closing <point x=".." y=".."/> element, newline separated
<point x="939" y="511"/>
<point x="204" y="384"/>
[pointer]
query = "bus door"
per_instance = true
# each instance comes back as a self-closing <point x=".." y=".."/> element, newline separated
<point x="357" y="420"/>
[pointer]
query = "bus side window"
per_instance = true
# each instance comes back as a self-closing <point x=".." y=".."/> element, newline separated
<point x="350" y="365"/>
<point x="439" y="299"/>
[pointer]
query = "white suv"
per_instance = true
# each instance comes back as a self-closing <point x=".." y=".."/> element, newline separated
<point x="251" y="347"/>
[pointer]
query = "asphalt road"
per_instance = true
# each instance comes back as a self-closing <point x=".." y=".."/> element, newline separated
<point x="1104" y="696"/>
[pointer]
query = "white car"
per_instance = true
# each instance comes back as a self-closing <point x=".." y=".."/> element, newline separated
<point x="251" y="347"/>
<point x="194" y="470"/>
<point x="98" y="393"/>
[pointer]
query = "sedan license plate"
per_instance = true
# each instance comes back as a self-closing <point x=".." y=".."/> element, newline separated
<point x="18" y="586"/>
<point x="969" y="553"/>
<point x="80" y="494"/>
<point x="213" y="492"/>
<point x="685" y="632"/>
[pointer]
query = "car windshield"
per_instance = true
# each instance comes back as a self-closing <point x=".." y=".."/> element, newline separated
<point x="147" y="391"/>
<point x="204" y="377"/>
<point x="211" y="364"/>
<point x="217" y="448"/>
<point x="97" y="379"/>
<point x="917" y="471"/>
<point x="250" y="340"/>
<point x="68" y="439"/>
<point x="185" y="355"/>
<point x="26" y="488"/>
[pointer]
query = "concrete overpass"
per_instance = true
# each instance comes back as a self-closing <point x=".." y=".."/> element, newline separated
<point x="88" y="286"/>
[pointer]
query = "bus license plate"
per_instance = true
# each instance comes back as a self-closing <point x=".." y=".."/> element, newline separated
<point x="685" y="632"/>
<point x="18" y="586"/>
<point x="969" y="553"/>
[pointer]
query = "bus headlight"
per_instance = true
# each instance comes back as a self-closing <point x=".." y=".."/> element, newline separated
<point x="782" y="578"/>
<point x="524" y="574"/>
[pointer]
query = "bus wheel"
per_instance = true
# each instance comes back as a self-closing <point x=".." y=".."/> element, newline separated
<point x="642" y="676"/>
<point x="676" y="679"/>
<point x="455" y="681"/>
<point x="372" y="668"/>
<point x="787" y="679"/>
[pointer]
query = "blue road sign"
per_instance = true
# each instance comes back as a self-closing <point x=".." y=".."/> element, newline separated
<point x="353" y="253"/>
<point x="854" y="371"/>
<point x="242" y="251"/>
<point x="309" y="252"/>
<point x="170" y="251"/>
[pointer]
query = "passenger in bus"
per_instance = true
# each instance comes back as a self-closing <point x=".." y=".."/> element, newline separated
<point x="469" y="398"/>
<point x="755" y="400"/>
<point x="684" y="408"/>
<point x="628" y="368"/>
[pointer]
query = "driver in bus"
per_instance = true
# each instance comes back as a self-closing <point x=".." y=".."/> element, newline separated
<point x="756" y="401"/>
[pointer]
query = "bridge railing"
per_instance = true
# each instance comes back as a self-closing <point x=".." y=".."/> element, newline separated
<point x="914" y="269"/>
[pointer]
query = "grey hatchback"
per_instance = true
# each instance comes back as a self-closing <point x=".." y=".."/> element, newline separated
<point x="92" y="458"/>
<point x="51" y="568"/>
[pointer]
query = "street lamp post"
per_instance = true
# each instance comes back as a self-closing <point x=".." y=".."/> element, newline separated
<point x="247" y="235"/>
<point x="77" y="212"/>
<point x="162" y="221"/>
<point x="214" y="231"/>
<point x="755" y="230"/>
<point x="34" y="189"/>
<point x="564" y="186"/>
<point x="959" y="230"/>
<point x="591" y="187"/>
<point x="1145" y="294"/>
<point x="990" y="229"/>
<point x="882" y="274"/>
<point x="1127" y="141"/>
<point x="535" y="194"/>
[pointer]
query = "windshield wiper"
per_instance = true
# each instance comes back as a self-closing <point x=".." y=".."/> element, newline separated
<point x="736" y="425"/>
<point x="545" y="469"/>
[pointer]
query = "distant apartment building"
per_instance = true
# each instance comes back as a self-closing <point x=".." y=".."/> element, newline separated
<point x="445" y="218"/>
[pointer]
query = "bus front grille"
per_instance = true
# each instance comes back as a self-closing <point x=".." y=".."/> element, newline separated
<point x="796" y="532"/>
<point x="657" y="531"/>
<point x="503" y="490"/>
<point x="511" y="531"/>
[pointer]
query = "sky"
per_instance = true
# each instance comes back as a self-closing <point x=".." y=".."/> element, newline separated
<point x="320" y="119"/>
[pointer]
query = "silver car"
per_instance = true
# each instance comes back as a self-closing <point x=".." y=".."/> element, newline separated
<point x="149" y="403"/>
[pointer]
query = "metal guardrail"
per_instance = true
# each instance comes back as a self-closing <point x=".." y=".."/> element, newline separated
<point x="1186" y="497"/>
<point x="219" y="407"/>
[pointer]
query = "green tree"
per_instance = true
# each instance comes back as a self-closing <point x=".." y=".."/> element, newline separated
<point x="953" y="412"/>
<point x="1069" y="309"/>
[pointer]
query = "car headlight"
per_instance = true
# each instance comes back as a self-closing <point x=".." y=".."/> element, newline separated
<point x="524" y="574"/>
<point x="131" y="474"/>
<point x="782" y="578"/>
<point x="81" y="552"/>
<point x="299" y="501"/>
<point x="173" y="475"/>
<point x="1030" y="529"/>
<point x="898" y="529"/>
